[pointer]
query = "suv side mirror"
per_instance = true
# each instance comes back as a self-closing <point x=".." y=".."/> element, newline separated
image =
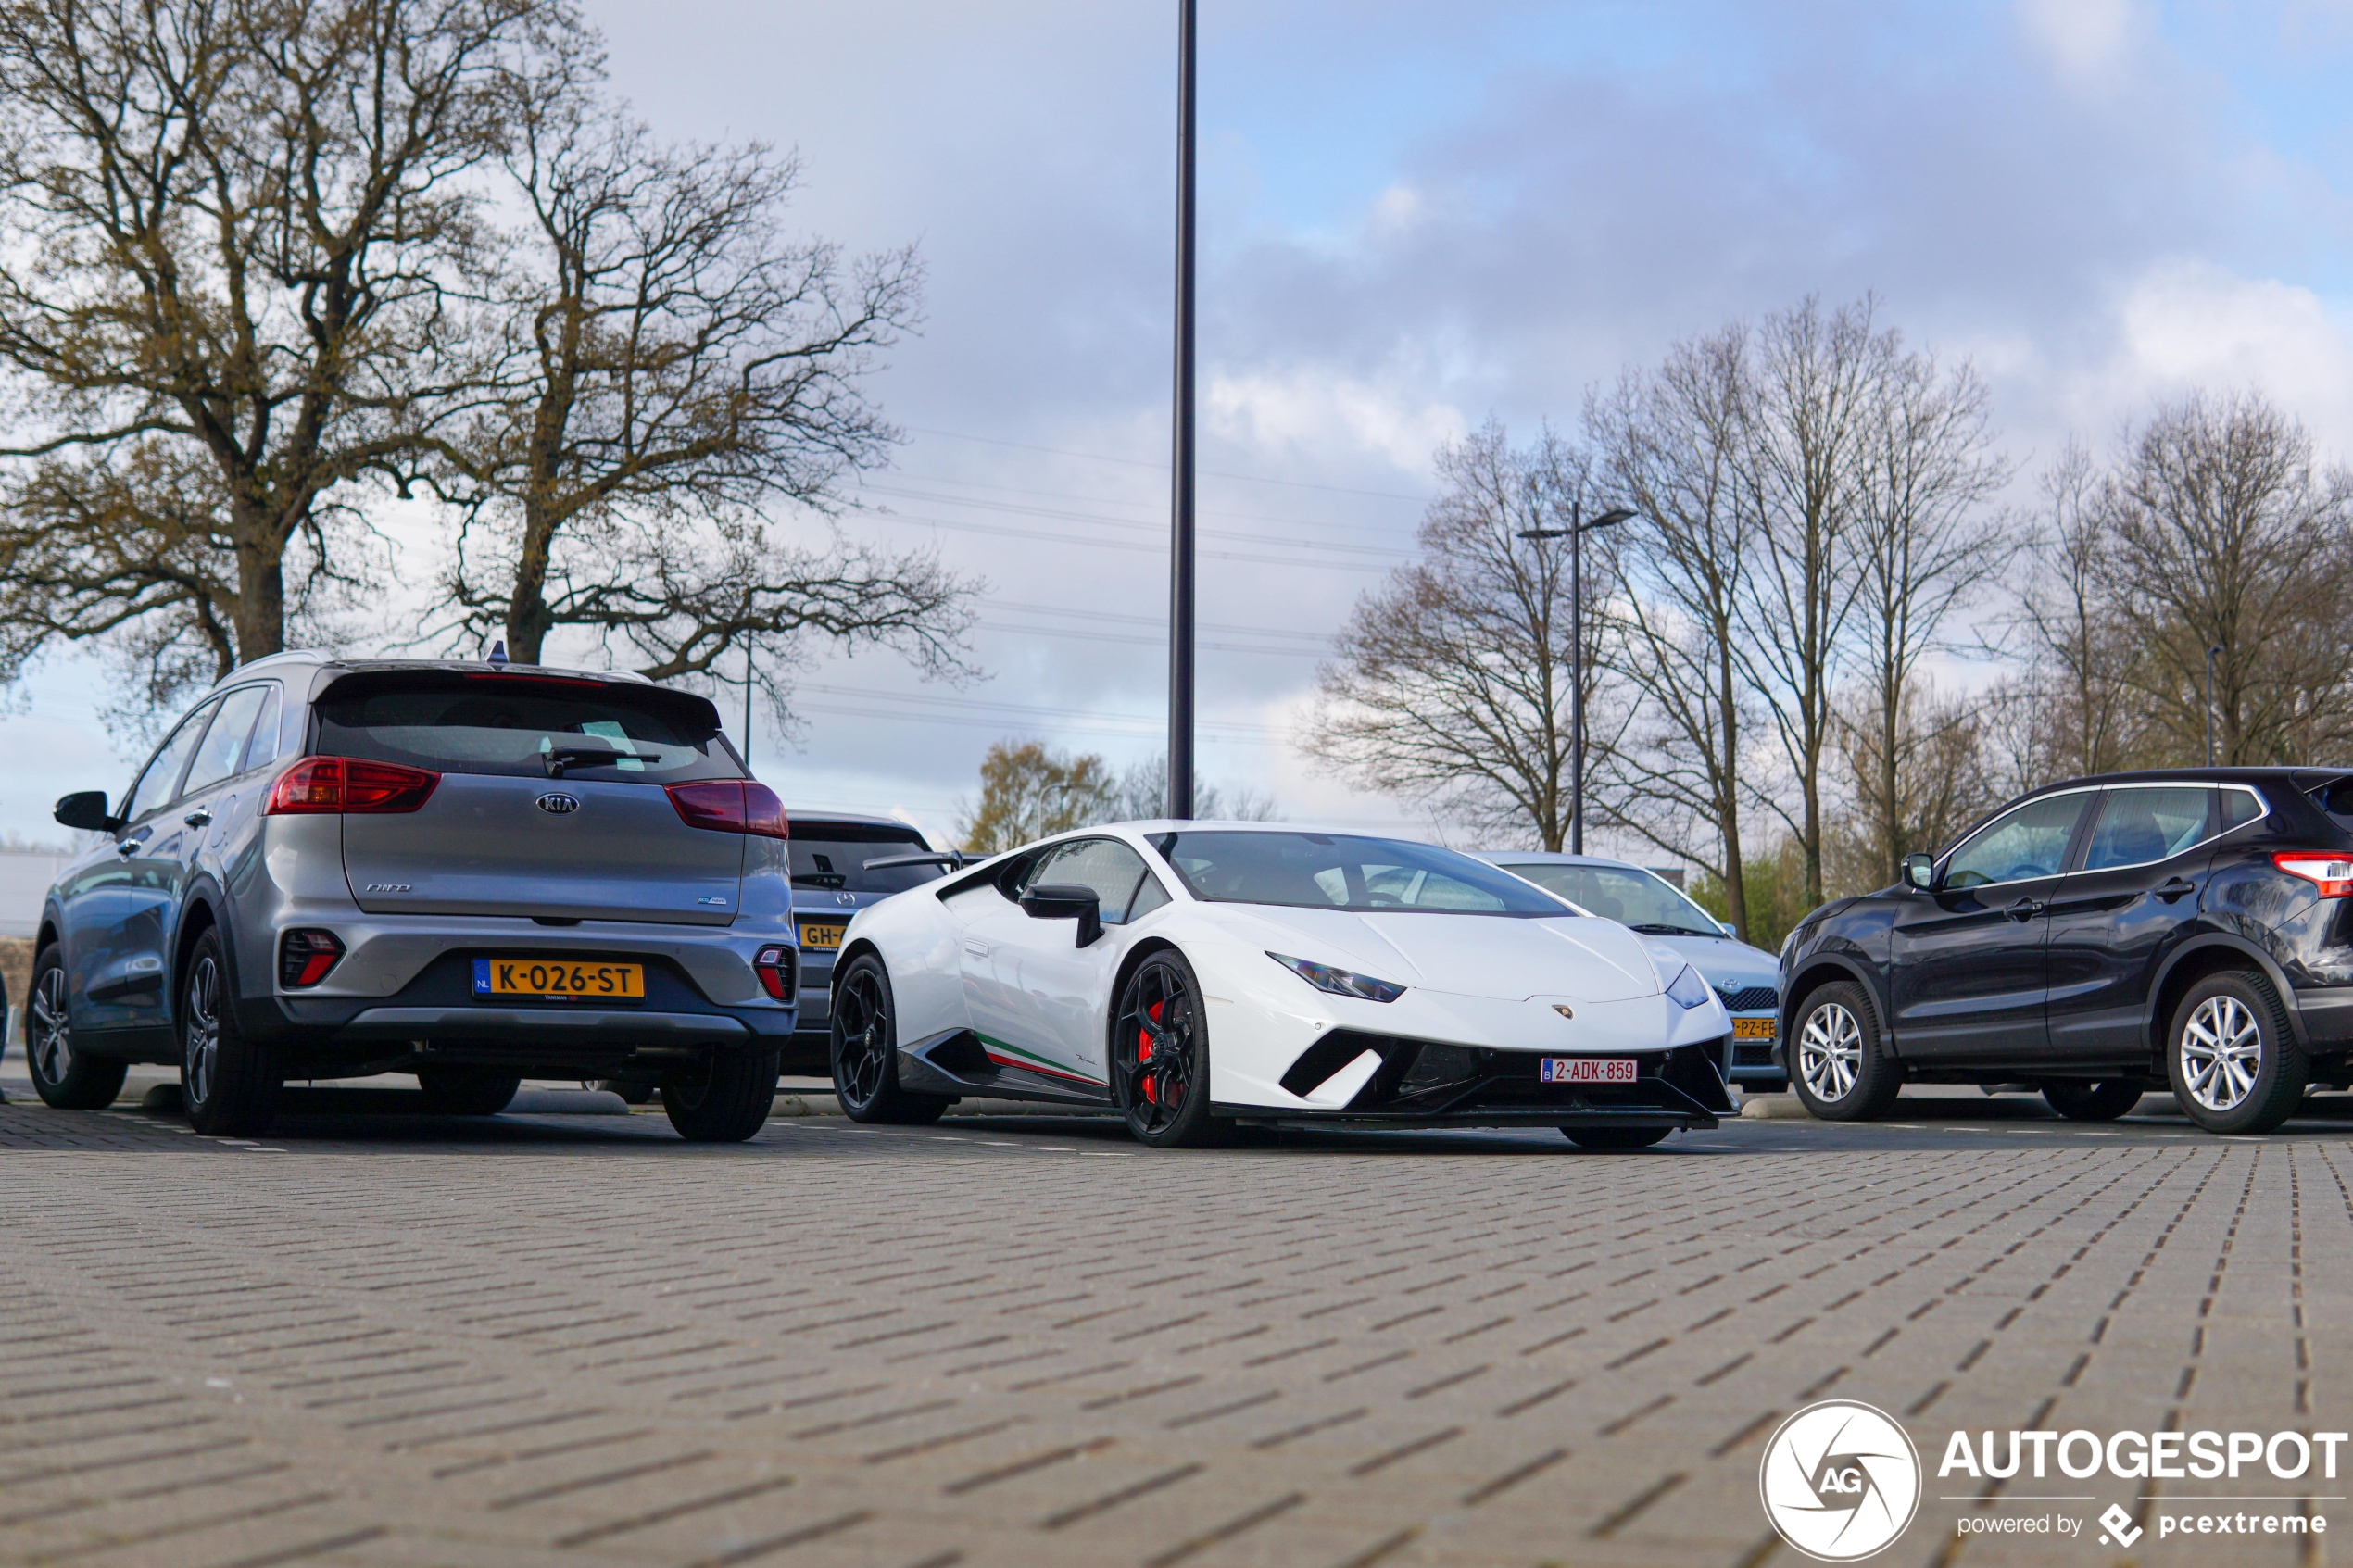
<point x="87" y="810"/>
<point x="1919" y="874"/>
<point x="1066" y="900"/>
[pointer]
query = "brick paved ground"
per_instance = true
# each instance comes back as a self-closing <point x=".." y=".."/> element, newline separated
<point x="388" y="1340"/>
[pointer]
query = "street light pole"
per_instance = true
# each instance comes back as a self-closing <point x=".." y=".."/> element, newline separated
<point x="1180" y="572"/>
<point x="1575" y="533"/>
<point x="2209" y="705"/>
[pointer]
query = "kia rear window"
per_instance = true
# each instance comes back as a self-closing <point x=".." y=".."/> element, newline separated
<point x="520" y="727"/>
<point x="832" y="857"/>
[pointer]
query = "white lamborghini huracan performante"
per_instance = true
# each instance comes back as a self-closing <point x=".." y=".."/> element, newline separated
<point x="1194" y="974"/>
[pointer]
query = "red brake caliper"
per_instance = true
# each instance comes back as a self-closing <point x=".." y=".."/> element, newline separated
<point x="1143" y="1049"/>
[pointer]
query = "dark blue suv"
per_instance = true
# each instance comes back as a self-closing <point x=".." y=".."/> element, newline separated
<point x="2190" y="929"/>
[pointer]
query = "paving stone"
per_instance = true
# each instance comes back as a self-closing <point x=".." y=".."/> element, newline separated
<point x="390" y="1339"/>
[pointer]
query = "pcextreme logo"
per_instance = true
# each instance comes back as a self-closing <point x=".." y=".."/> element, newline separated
<point x="1839" y="1480"/>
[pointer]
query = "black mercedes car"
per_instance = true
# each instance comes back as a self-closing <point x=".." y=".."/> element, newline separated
<point x="2095" y="939"/>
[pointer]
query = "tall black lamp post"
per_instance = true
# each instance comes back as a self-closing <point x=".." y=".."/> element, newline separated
<point x="1575" y="533"/>
<point x="2209" y="705"/>
<point x="1180" y="541"/>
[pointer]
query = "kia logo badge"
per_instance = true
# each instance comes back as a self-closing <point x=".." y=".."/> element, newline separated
<point x="560" y="804"/>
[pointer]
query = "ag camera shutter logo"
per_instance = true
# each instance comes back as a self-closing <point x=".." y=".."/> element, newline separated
<point x="1839" y="1480"/>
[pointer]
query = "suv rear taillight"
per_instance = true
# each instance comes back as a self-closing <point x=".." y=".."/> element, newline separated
<point x="774" y="966"/>
<point x="730" y="806"/>
<point x="305" y="957"/>
<point x="340" y="784"/>
<point x="2332" y="874"/>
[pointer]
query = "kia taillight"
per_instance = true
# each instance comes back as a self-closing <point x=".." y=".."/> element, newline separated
<point x="305" y="957"/>
<point x="2332" y="874"/>
<point x="347" y="784"/>
<point x="730" y="806"/>
<point x="775" y="967"/>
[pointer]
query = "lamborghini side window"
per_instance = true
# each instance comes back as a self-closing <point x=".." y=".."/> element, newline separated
<point x="1150" y="896"/>
<point x="1109" y="867"/>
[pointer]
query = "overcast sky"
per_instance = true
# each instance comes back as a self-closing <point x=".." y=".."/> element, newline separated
<point x="1414" y="215"/>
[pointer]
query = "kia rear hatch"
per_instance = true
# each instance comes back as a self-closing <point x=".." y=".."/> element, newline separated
<point x="468" y="792"/>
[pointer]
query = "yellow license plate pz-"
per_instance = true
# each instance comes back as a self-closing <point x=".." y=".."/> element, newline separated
<point x="554" y="980"/>
<point x="1752" y="1029"/>
<point x="826" y="936"/>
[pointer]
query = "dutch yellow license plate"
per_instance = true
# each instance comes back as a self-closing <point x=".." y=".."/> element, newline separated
<point x="1752" y="1029"/>
<point x="551" y="980"/>
<point x="824" y="936"/>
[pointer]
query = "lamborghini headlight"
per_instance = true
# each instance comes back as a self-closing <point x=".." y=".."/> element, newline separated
<point x="1687" y="989"/>
<point x="1339" y="982"/>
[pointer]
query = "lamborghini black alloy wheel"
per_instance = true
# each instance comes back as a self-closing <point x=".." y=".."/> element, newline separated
<point x="862" y="1036"/>
<point x="866" y="1050"/>
<point x="1159" y="1056"/>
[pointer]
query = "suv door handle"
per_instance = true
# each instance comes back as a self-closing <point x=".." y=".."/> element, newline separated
<point x="2173" y="887"/>
<point x="198" y="818"/>
<point x="2026" y="909"/>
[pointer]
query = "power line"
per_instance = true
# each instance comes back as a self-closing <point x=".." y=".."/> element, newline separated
<point x="1130" y="522"/>
<point x="1158" y="620"/>
<point x="1162" y="468"/>
<point x="1030" y="709"/>
<point x="1123" y="545"/>
<point x="1142" y="642"/>
<point x="1111" y="500"/>
<point x="1146" y="729"/>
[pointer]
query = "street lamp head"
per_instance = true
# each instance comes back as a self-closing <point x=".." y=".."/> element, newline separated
<point x="1610" y="519"/>
<point x="1539" y="533"/>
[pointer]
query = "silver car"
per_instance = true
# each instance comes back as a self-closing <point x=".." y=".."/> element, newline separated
<point x="1748" y="979"/>
<point x="472" y="872"/>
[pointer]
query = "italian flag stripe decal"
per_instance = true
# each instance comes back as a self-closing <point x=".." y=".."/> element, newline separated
<point x="1007" y="1055"/>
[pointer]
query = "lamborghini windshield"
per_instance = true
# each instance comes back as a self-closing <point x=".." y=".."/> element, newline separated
<point x="1316" y="871"/>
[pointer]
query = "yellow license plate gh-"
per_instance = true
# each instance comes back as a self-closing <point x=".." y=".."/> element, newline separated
<point x="1752" y="1029"/>
<point x="826" y="936"/>
<point x="552" y="980"/>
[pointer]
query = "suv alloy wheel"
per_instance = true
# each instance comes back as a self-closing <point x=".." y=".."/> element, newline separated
<point x="2233" y="1061"/>
<point x="1838" y="1066"/>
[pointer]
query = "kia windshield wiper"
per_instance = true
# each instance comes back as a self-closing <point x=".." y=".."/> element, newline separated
<point x="1652" y="928"/>
<point x="572" y="753"/>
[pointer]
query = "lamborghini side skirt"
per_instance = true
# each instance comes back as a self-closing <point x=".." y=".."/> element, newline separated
<point x="958" y="1062"/>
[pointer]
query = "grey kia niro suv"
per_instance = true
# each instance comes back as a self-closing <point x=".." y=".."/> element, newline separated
<point x="472" y="872"/>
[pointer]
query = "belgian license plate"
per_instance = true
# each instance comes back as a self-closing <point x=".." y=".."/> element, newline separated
<point x="1752" y="1029"/>
<point x="822" y="935"/>
<point x="550" y="980"/>
<point x="1587" y="1070"/>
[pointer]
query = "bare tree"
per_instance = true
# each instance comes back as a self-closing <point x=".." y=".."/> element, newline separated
<point x="1922" y="545"/>
<point x="1807" y="420"/>
<point x="243" y="236"/>
<point x="1673" y="443"/>
<point x="1919" y="790"/>
<point x="674" y="368"/>
<point x="2221" y="534"/>
<point x="2074" y="713"/>
<point x="1143" y="794"/>
<point x="1450" y="683"/>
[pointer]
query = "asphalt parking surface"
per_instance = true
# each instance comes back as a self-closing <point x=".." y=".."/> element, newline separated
<point x="402" y="1339"/>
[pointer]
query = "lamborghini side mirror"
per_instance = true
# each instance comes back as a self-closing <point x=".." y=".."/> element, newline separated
<point x="1066" y="900"/>
<point x="1919" y="874"/>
